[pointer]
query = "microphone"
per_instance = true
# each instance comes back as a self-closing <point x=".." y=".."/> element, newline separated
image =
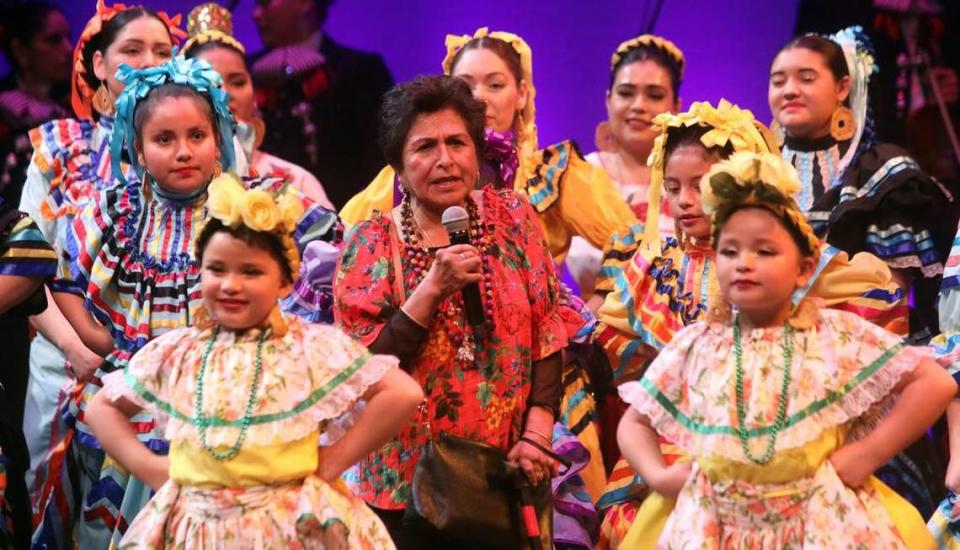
<point x="456" y="221"/>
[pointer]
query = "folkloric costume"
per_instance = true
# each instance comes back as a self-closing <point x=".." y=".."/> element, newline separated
<point x="211" y="23"/>
<point x="799" y="392"/>
<point x="130" y="255"/>
<point x="584" y="260"/>
<point x="244" y="412"/>
<point x="24" y="252"/>
<point x="670" y="283"/>
<point x="71" y="166"/>
<point x="866" y="196"/>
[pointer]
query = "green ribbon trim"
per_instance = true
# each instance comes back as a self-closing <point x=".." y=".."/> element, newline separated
<point x="813" y="408"/>
<point x="218" y="422"/>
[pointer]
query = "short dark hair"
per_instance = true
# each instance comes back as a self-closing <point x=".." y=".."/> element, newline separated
<point x="424" y="95"/>
<point x="502" y="50"/>
<point x="650" y="52"/>
<point x="258" y="239"/>
<point x="684" y="136"/>
<point x="108" y="34"/>
<point x="22" y="22"/>
<point x="171" y="89"/>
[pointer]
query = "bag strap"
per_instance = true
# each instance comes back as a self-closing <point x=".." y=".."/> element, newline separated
<point x="398" y="283"/>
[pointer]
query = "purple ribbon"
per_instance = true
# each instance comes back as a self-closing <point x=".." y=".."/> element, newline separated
<point x="500" y="155"/>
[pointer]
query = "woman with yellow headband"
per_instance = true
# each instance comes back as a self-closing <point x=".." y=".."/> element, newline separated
<point x="670" y="283"/>
<point x="210" y="28"/>
<point x="645" y="77"/>
<point x="499" y="68"/>
<point x="786" y="411"/>
<point x="70" y="166"/>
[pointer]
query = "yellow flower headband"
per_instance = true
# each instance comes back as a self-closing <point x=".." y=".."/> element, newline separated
<point x="258" y="210"/>
<point x="648" y="40"/>
<point x="210" y="23"/>
<point x="527" y="133"/>
<point x="729" y="125"/>
<point x="761" y="179"/>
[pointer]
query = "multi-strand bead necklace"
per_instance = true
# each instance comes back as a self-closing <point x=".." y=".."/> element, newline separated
<point x="419" y="257"/>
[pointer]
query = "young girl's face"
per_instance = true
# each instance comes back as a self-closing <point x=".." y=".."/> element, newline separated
<point x="241" y="283"/>
<point x="681" y="185"/>
<point x="178" y="145"/>
<point x="759" y="265"/>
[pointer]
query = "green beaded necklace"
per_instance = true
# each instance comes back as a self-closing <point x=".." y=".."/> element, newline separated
<point x="203" y="422"/>
<point x="781" y="407"/>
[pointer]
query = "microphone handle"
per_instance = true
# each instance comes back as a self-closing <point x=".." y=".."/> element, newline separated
<point x="471" y="294"/>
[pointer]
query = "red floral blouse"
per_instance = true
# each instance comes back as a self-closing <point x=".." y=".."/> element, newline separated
<point x="483" y="400"/>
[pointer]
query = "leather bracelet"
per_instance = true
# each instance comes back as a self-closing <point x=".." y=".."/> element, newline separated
<point x="566" y="463"/>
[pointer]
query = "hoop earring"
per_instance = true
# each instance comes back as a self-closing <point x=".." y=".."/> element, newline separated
<point x="101" y="100"/>
<point x="259" y="132"/>
<point x="603" y="138"/>
<point x="778" y="133"/>
<point x="842" y="124"/>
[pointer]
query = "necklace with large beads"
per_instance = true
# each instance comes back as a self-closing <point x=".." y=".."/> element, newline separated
<point x="419" y="257"/>
<point x="204" y="422"/>
<point x="780" y="419"/>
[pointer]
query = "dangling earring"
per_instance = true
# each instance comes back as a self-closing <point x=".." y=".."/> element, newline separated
<point x="778" y="134"/>
<point x="217" y="170"/>
<point x="842" y="125"/>
<point x="603" y="138"/>
<point x="102" y="102"/>
<point x="680" y="235"/>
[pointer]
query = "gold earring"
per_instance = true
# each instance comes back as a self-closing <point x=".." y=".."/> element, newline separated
<point x="842" y="125"/>
<point x="102" y="102"/>
<point x="778" y="133"/>
<point x="217" y="169"/>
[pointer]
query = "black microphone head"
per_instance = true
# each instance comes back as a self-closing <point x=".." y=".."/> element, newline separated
<point x="455" y="220"/>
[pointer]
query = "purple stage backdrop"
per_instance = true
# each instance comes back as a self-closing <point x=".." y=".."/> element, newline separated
<point x="728" y="44"/>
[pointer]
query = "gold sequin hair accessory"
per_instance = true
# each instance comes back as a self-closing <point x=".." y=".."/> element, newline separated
<point x="648" y="40"/>
<point x="258" y="210"/>
<point x="756" y="179"/>
<point x="210" y="22"/>
<point x="527" y="133"/>
<point x="728" y="124"/>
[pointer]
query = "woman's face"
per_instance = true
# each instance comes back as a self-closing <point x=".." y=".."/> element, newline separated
<point x="682" y="172"/>
<point x="494" y="84"/>
<point x="46" y="57"/>
<point x="236" y="80"/>
<point x="641" y="91"/>
<point x="440" y="165"/>
<point x="143" y="42"/>
<point x="804" y="93"/>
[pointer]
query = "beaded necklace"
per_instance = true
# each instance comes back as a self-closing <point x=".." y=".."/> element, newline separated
<point x="780" y="420"/>
<point x="204" y="422"/>
<point x="419" y="257"/>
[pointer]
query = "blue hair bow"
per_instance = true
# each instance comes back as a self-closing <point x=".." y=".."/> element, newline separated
<point x="195" y="73"/>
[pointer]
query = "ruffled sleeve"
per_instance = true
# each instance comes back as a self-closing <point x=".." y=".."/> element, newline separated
<point x="365" y="292"/>
<point x="573" y="197"/>
<point x="62" y="169"/>
<point x="376" y="197"/>
<point x="843" y="374"/>
<point x="341" y="371"/>
<point x="553" y="321"/>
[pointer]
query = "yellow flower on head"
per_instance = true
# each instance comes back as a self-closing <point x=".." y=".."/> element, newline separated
<point x="291" y="207"/>
<point x="224" y="196"/>
<point x="779" y="173"/>
<point x="259" y="211"/>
